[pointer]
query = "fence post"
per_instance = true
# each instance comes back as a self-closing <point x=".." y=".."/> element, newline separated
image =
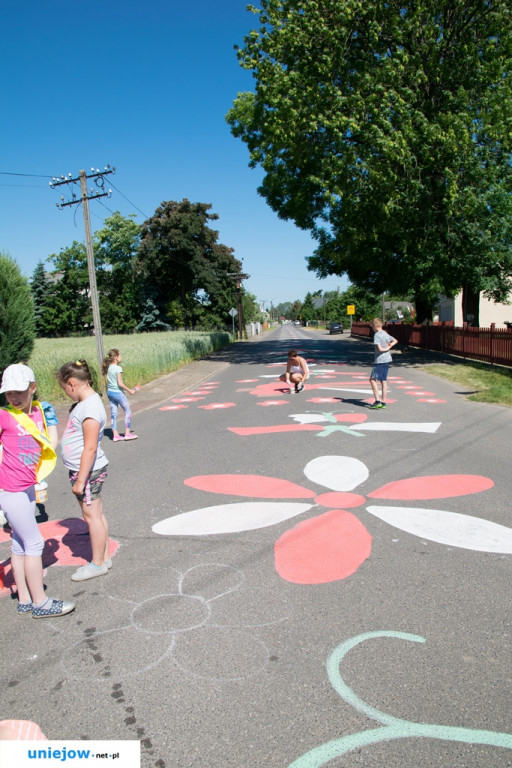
<point x="493" y="326"/>
<point x="464" y="326"/>
<point x="443" y="333"/>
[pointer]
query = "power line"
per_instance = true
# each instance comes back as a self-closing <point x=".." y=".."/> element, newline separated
<point x="26" y="186"/>
<point x="37" y="175"/>
<point x="138" y="209"/>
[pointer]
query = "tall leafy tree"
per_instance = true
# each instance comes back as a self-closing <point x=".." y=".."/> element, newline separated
<point x="17" y="321"/>
<point x="308" y="311"/>
<point x="384" y="128"/>
<point x="179" y="260"/>
<point x="251" y="309"/>
<point x="68" y="309"/>
<point x="115" y="250"/>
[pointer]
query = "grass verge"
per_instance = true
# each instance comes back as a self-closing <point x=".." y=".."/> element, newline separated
<point x="145" y="356"/>
<point x="481" y="383"/>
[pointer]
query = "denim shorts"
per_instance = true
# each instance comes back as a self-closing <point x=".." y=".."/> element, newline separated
<point x="380" y="371"/>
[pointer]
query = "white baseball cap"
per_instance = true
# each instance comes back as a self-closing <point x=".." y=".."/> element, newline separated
<point x="17" y="378"/>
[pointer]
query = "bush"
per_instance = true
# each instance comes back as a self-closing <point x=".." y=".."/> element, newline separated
<point x="17" y="319"/>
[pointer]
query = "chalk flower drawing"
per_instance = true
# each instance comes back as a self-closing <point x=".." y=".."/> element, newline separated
<point x="190" y="627"/>
<point x="392" y="727"/>
<point x="333" y="545"/>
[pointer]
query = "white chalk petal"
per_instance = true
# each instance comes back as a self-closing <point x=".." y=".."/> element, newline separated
<point x="396" y="426"/>
<point x="339" y="473"/>
<point x="450" y="528"/>
<point x="308" y="418"/>
<point x="229" y="518"/>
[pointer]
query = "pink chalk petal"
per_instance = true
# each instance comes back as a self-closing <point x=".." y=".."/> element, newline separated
<point x="255" y="486"/>
<point x="353" y="418"/>
<point x="340" y="499"/>
<point x="271" y="430"/>
<point x="433" y="487"/>
<point x="323" y="549"/>
<point x="216" y="406"/>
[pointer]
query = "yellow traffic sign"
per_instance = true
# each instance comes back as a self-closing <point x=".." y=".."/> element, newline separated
<point x="351" y="309"/>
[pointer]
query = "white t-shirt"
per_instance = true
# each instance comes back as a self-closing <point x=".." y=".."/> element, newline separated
<point x="382" y="339"/>
<point x="72" y="445"/>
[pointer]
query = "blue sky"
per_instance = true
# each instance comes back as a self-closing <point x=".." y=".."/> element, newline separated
<point x="144" y="87"/>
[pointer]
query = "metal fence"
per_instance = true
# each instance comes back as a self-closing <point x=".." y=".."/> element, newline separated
<point x="490" y="345"/>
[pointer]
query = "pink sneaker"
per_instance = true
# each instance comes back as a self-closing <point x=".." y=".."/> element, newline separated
<point x="130" y="436"/>
<point x="116" y="438"/>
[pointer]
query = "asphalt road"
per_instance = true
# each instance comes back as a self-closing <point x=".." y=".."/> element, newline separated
<point x="278" y="598"/>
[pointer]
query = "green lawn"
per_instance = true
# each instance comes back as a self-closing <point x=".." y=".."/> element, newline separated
<point x="482" y="383"/>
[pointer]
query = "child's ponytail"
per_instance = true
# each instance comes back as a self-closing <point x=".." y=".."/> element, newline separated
<point x="78" y="369"/>
<point x="108" y="360"/>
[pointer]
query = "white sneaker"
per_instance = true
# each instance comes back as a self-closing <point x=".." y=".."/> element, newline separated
<point x="89" y="571"/>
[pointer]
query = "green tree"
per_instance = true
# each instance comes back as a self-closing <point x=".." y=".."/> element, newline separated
<point x="335" y="309"/>
<point x="296" y="310"/>
<point x="252" y="311"/>
<point x="17" y="321"/>
<point x="179" y="259"/>
<point x="40" y="287"/>
<point x="384" y="128"/>
<point x="151" y="320"/>
<point x="284" y="310"/>
<point x="368" y="305"/>
<point x="308" y="311"/>
<point x="115" y="250"/>
<point x="68" y="309"/>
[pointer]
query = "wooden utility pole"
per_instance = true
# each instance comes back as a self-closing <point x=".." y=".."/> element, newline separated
<point x="238" y="277"/>
<point x="96" y="319"/>
<point x="91" y="268"/>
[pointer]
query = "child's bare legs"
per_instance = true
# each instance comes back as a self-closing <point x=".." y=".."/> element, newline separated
<point x="375" y="389"/>
<point x="28" y="575"/>
<point x="98" y="530"/>
<point x="384" y="387"/>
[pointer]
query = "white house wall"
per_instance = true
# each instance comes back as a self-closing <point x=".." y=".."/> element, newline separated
<point x="450" y="310"/>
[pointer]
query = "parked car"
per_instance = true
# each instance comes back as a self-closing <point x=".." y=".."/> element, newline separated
<point x="336" y="328"/>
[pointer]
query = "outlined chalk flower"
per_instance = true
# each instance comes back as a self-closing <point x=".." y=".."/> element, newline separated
<point x="189" y="626"/>
<point x="333" y="544"/>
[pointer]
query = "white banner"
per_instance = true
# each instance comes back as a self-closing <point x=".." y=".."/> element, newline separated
<point x="23" y="754"/>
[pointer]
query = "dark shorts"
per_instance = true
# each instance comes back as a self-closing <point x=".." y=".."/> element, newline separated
<point x="380" y="372"/>
<point x="93" y="486"/>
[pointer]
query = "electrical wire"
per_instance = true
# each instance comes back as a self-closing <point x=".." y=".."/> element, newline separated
<point x="106" y="207"/>
<point x="26" y="186"/>
<point x="40" y="175"/>
<point x="122" y="195"/>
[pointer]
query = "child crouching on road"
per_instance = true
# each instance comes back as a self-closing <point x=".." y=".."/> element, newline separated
<point x="297" y="371"/>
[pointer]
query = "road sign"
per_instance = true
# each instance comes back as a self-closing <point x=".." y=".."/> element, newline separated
<point x="351" y="309"/>
<point x="232" y="312"/>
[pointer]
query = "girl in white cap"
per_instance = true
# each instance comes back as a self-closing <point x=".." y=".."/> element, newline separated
<point x="28" y="457"/>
